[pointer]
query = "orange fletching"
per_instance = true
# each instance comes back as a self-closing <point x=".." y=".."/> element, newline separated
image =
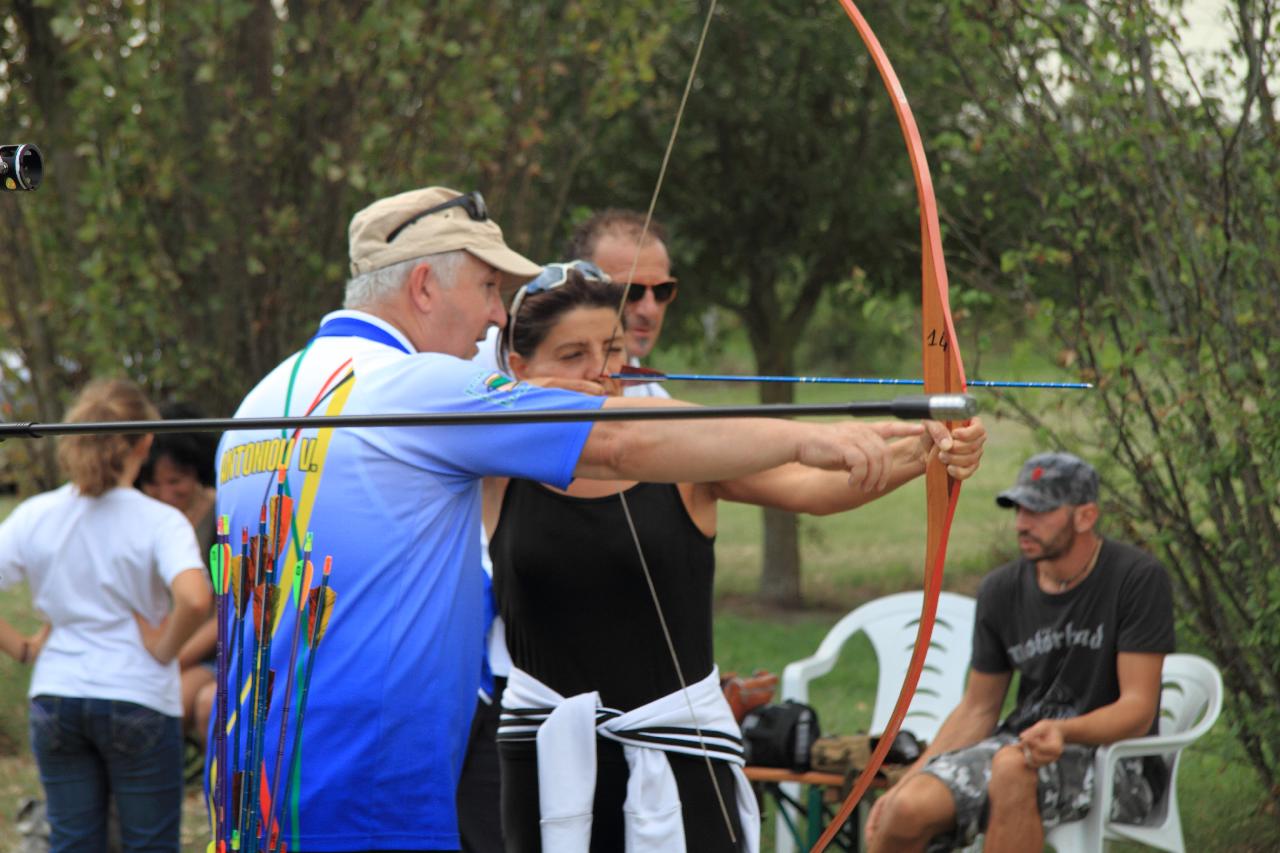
<point x="282" y="519"/>
<point x="271" y="593"/>
<point x="325" y="607"/>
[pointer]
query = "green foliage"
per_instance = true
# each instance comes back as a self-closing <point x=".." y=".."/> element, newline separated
<point x="203" y="159"/>
<point x="789" y="195"/>
<point x="1137" y="217"/>
<point x="1102" y="214"/>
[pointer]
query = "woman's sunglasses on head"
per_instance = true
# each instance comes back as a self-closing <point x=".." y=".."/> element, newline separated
<point x="551" y="277"/>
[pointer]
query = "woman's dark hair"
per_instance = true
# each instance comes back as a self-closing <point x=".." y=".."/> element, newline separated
<point x="539" y="312"/>
<point x="193" y="451"/>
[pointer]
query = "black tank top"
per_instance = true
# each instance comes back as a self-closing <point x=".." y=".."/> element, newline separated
<point x="578" y="612"/>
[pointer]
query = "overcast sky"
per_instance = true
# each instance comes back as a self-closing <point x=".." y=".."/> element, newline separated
<point x="1209" y="28"/>
<point x="1208" y="31"/>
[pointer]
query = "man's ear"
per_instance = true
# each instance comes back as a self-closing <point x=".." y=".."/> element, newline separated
<point x="1086" y="516"/>
<point x="421" y="285"/>
<point x="518" y="364"/>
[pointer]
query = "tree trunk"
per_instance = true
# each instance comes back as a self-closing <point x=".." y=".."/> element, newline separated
<point x="780" y="571"/>
<point x="780" y="574"/>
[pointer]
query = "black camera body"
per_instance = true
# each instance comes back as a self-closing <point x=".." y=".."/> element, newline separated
<point x="21" y="167"/>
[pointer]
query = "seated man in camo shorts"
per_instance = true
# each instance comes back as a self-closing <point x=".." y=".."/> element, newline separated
<point x="1086" y="623"/>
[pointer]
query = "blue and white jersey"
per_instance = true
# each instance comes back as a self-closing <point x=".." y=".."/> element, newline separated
<point x="398" y="510"/>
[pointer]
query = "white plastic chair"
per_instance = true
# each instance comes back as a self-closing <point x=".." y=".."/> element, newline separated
<point x="1189" y="705"/>
<point x="890" y="624"/>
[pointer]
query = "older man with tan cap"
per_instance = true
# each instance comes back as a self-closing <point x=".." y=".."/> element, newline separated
<point x="397" y="509"/>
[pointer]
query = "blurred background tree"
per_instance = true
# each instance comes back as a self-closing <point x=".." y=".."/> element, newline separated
<point x="1123" y="193"/>
<point x="1110" y="207"/>
<point x="203" y="159"/>
<point x="790" y="198"/>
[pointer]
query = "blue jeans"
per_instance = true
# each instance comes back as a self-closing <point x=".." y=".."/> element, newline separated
<point x="90" y="750"/>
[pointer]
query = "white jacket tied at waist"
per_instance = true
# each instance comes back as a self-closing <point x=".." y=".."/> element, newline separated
<point x="566" y="730"/>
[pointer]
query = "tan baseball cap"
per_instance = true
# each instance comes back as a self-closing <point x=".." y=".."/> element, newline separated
<point x="443" y="231"/>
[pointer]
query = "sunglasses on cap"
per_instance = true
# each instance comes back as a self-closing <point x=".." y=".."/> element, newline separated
<point x="551" y="277"/>
<point x="472" y="203"/>
<point x="663" y="292"/>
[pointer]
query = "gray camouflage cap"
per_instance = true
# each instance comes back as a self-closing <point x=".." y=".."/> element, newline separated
<point x="1050" y="480"/>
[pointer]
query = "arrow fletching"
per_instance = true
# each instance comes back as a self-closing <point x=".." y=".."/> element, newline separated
<point x="635" y="375"/>
<point x="271" y="593"/>
<point x="239" y="584"/>
<point x="302" y="581"/>
<point x="282" y="513"/>
<point x="216" y="569"/>
<point x="321" y="602"/>
<point x="302" y="572"/>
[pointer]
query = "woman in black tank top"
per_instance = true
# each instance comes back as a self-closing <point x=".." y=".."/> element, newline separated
<point x="578" y="609"/>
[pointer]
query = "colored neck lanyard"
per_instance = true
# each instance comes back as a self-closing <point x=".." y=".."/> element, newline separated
<point x="354" y="327"/>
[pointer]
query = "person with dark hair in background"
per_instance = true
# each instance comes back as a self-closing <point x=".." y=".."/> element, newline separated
<point x="118" y="576"/>
<point x="611" y="239"/>
<point x="179" y="472"/>
<point x="1086" y="622"/>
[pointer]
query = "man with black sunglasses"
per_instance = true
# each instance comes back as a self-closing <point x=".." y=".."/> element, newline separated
<point x="611" y="240"/>
<point x="394" y="687"/>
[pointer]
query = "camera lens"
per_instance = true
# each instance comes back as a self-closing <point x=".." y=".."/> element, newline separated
<point x="21" y="167"/>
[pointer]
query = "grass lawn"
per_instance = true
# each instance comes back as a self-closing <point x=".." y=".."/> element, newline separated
<point x="848" y="559"/>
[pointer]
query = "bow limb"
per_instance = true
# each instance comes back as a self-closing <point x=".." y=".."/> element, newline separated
<point x="943" y="373"/>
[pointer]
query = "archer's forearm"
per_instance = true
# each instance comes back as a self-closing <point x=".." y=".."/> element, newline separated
<point x="798" y="488"/>
<point x="827" y="492"/>
<point x="688" y="451"/>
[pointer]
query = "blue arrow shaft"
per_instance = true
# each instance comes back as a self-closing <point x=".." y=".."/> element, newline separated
<point x="839" y="380"/>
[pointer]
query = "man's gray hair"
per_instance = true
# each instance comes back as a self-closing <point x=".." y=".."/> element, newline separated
<point x="376" y="286"/>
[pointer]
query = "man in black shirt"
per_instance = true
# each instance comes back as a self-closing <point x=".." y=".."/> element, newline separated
<point x="1086" y="623"/>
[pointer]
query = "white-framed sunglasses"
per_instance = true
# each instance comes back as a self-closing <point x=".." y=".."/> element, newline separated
<point x="552" y="276"/>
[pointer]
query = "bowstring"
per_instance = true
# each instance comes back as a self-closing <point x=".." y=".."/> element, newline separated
<point x="626" y="509"/>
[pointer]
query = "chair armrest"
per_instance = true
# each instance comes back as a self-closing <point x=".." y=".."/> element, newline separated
<point x="1150" y="745"/>
<point x="797" y="675"/>
<point x="1109" y="755"/>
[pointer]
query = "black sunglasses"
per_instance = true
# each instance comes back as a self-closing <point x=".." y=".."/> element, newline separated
<point x="472" y="203"/>
<point x="662" y="292"/>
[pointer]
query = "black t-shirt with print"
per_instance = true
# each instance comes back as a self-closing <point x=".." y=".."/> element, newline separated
<point x="1065" y="645"/>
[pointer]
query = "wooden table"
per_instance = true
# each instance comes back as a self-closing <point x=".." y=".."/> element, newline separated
<point x="816" y="785"/>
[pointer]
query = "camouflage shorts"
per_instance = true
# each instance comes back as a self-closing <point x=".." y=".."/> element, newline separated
<point x="1064" y="790"/>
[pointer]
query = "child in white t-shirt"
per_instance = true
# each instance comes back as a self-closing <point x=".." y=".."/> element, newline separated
<point x="119" y="579"/>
